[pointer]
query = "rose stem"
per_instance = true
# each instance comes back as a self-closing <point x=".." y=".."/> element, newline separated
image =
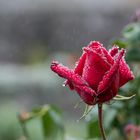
<point x="100" y="121"/>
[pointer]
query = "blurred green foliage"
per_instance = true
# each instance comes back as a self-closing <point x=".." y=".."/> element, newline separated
<point x="131" y="41"/>
<point x="50" y="120"/>
<point x="31" y="125"/>
<point x="9" y="125"/>
<point x="131" y="34"/>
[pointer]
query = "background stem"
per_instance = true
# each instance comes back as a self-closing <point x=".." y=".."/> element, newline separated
<point x="25" y="132"/>
<point x="100" y="121"/>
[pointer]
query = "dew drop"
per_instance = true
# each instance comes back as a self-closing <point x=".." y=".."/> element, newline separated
<point x="63" y="84"/>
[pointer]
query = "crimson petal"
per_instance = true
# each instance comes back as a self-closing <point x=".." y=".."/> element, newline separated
<point x="76" y="79"/>
<point x="94" y="45"/>
<point x="94" y="69"/>
<point x="125" y="73"/>
<point x="109" y="77"/>
<point x="113" y="51"/>
<point x="87" y="98"/>
<point x="80" y="64"/>
<point x="78" y="69"/>
<point x="108" y="57"/>
<point x="111" y="91"/>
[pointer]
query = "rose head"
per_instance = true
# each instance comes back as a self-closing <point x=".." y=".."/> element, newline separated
<point x="98" y="74"/>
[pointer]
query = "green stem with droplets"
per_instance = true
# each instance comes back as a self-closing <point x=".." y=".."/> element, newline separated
<point x="100" y="121"/>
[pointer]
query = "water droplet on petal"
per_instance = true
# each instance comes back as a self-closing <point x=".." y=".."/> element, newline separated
<point x="63" y="84"/>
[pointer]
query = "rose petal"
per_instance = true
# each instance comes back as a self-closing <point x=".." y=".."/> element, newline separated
<point x="94" y="69"/>
<point x="80" y="64"/>
<point x="124" y="70"/>
<point x="75" y="79"/>
<point x="108" y="57"/>
<point x="125" y="73"/>
<point x="98" y="48"/>
<point x="78" y="69"/>
<point x="109" y="77"/>
<point x="111" y="91"/>
<point x="87" y="98"/>
<point x="113" y="51"/>
<point x="94" y="45"/>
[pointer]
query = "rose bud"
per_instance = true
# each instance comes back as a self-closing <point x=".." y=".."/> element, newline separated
<point x="98" y="74"/>
<point x="132" y="132"/>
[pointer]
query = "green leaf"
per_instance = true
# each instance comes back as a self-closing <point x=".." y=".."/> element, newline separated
<point x="48" y="123"/>
<point x="52" y="123"/>
<point x="50" y="119"/>
<point x="119" y="43"/>
<point x="131" y="34"/>
<point x="93" y="130"/>
<point x="133" y="54"/>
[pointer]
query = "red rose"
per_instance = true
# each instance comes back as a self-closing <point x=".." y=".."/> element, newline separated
<point x="98" y="74"/>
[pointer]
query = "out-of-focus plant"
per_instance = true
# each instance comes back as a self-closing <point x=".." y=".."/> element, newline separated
<point x="9" y="126"/>
<point x="49" y="118"/>
<point x="132" y="132"/>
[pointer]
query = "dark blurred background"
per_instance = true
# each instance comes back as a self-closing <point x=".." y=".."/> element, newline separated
<point x="35" y="32"/>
